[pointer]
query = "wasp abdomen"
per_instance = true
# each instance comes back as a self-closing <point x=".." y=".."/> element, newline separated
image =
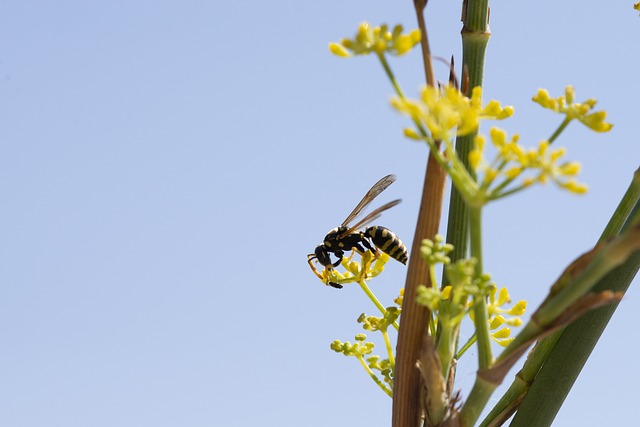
<point x="387" y="241"/>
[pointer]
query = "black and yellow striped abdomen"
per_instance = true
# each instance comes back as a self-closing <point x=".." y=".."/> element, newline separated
<point x="387" y="241"/>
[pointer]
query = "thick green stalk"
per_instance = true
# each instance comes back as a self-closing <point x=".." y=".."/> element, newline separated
<point x="475" y="37"/>
<point x="574" y="346"/>
<point x="509" y="402"/>
<point x="476" y="402"/>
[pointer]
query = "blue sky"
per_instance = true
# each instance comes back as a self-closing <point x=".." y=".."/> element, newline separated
<point x="167" y="166"/>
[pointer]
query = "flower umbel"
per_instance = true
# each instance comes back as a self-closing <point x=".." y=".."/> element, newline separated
<point x="578" y="110"/>
<point x="441" y="115"/>
<point x="377" y="40"/>
<point x="445" y="113"/>
<point x="497" y="178"/>
<point x="497" y="318"/>
<point x="359" y="350"/>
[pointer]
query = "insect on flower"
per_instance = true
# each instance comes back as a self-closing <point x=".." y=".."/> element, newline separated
<point x="346" y="238"/>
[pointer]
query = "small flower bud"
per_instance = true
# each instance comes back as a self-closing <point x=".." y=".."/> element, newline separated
<point x="339" y="50"/>
<point x="518" y="309"/>
<point x="502" y="333"/>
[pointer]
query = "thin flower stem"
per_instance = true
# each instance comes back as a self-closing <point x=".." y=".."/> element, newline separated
<point x="509" y="192"/>
<point x="498" y="188"/>
<point x="558" y="131"/>
<point x="375" y="300"/>
<point x="374" y="377"/>
<point x="467" y="346"/>
<point x="392" y="77"/>
<point x="387" y="342"/>
<point x="480" y="302"/>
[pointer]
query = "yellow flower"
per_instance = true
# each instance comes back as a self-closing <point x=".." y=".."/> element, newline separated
<point x="377" y="40"/>
<point x="400" y="298"/>
<point x="546" y="161"/>
<point x="369" y="266"/>
<point x="445" y="112"/>
<point x="496" y="177"/>
<point x="497" y="314"/>
<point x="578" y="111"/>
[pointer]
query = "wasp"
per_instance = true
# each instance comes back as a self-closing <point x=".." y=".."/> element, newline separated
<point x="346" y="238"/>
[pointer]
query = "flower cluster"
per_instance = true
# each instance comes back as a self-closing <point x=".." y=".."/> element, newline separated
<point x="443" y="113"/>
<point x="574" y="111"/>
<point x="497" y="178"/>
<point x="370" y="265"/>
<point x="400" y="298"/>
<point x="450" y="304"/>
<point x="371" y="364"/>
<point x="497" y="315"/>
<point x="374" y="323"/>
<point x="377" y="40"/>
<point x="358" y="349"/>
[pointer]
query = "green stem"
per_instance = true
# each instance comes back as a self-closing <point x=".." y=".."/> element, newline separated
<point x="475" y="37"/>
<point x="615" y="253"/>
<point x="375" y="300"/>
<point x="374" y="377"/>
<point x="466" y="347"/>
<point x="480" y="302"/>
<point x="446" y="347"/>
<point x="392" y="77"/>
<point x="558" y="131"/>
<point x="508" y="192"/>
<point x="482" y="388"/>
<point x="507" y="404"/>
<point x="387" y="342"/>
<point x="554" y="379"/>
<point x="510" y="401"/>
<point x="476" y="401"/>
<point x="626" y="205"/>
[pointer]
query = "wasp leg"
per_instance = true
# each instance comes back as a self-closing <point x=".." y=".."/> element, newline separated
<point x="370" y="246"/>
<point x="339" y="254"/>
<point x="310" y="259"/>
<point x="365" y="242"/>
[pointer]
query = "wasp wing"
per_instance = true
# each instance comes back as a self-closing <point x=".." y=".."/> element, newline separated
<point x="377" y="188"/>
<point x="371" y="217"/>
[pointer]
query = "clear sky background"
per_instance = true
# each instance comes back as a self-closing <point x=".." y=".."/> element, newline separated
<point x="165" y="167"/>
